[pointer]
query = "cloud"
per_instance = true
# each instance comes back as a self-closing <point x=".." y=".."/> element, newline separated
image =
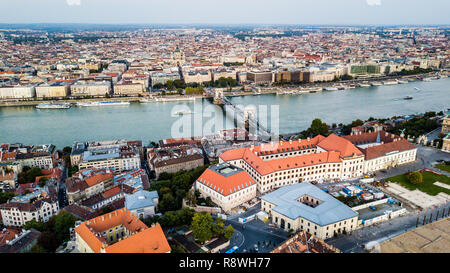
<point x="77" y="2"/>
<point x="373" y="2"/>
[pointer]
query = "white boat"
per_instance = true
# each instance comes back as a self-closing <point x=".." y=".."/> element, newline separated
<point x="417" y="88"/>
<point x="443" y="76"/>
<point x="331" y="88"/>
<point x="146" y="100"/>
<point x="376" y="83"/>
<point x="363" y="85"/>
<point x="429" y="79"/>
<point x="402" y="81"/>
<point x="390" y="82"/>
<point x="174" y="99"/>
<point x="53" y="105"/>
<point x="103" y="103"/>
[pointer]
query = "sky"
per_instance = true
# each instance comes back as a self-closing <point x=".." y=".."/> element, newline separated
<point x="322" y="12"/>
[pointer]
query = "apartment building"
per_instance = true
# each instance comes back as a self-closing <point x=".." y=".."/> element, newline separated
<point x="21" y="242"/>
<point x="260" y="77"/>
<point x="121" y="155"/>
<point x="305" y="207"/>
<point x="162" y="78"/>
<point x="120" y="231"/>
<point x="39" y="205"/>
<point x="172" y="159"/>
<point x="383" y="150"/>
<point x="115" y="194"/>
<point x="33" y="156"/>
<point x="446" y="125"/>
<point x="84" y="185"/>
<point x="90" y="88"/>
<point x="53" y="90"/>
<point x="199" y="76"/>
<point x="128" y="88"/>
<point x="17" y="92"/>
<point x="228" y="186"/>
<point x="224" y="73"/>
<point x="446" y="143"/>
<point x="142" y="203"/>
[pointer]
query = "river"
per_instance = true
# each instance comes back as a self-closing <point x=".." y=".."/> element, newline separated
<point x="154" y="121"/>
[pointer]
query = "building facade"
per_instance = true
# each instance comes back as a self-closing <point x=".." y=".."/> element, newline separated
<point x="305" y="207"/>
<point x="120" y="231"/>
<point x="226" y="185"/>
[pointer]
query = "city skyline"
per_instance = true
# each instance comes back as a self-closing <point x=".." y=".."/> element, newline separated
<point x="232" y="12"/>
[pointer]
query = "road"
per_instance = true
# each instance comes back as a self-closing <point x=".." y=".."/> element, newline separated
<point x="383" y="231"/>
<point x="248" y="235"/>
<point x="62" y="197"/>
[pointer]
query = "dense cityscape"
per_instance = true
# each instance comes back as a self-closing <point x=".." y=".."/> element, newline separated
<point x="373" y="182"/>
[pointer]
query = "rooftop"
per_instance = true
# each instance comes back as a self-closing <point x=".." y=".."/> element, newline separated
<point x="329" y="211"/>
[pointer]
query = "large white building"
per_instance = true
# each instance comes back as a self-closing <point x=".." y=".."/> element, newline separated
<point x="17" y="92"/>
<point x="226" y="185"/>
<point x="305" y="207"/>
<point x="89" y="88"/>
<point x="36" y="205"/>
<point x="383" y="150"/>
<point x="120" y="155"/>
<point x="321" y="158"/>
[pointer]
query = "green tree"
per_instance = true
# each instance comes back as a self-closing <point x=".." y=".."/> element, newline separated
<point x="37" y="249"/>
<point x="67" y="150"/>
<point x="48" y="241"/>
<point x="191" y="198"/>
<point x="6" y="196"/>
<point x="43" y="181"/>
<point x="218" y="227"/>
<point x="176" y="249"/>
<point x="29" y="175"/>
<point x="169" y="85"/>
<point x="415" y="178"/>
<point x="63" y="222"/>
<point x="40" y="226"/>
<point x="318" y="127"/>
<point x="167" y="203"/>
<point x="229" y="231"/>
<point x="202" y="227"/>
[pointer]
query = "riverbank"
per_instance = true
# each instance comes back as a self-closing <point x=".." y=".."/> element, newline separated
<point x="236" y="92"/>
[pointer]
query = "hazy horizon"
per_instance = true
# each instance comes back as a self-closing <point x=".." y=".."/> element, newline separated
<point x="229" y="12"/>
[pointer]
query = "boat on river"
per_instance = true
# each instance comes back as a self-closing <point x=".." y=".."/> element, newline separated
<point x="53" y="105"/>
<point x="103" y="103"/>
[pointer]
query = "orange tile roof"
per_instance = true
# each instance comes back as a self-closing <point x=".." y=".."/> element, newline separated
<point x="225" y="185"/>
<point x="381" y="150"/>
<point x="8" y="156"/>
<point x="7" y="235"/>
<point x="95" y="179"/>
<point x="273" y="148"/>
<point x="304" y="160"/>
<point x="151" y="240"/>
<point x="233" y="154"/>
<point x="339" y="144"/>
<point x="112" y="191"/>
<point x="144" y="239"/>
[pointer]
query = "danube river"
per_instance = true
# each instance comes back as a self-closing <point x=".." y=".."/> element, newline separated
<point x="154" y="121"/>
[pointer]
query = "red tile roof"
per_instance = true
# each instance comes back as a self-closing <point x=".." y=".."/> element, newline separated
<point x="339" y="144"/>
<point x="142" y="240"/>
<point x="225" y="185"/>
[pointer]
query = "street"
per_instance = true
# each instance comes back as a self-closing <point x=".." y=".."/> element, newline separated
<point x="383" y="231"/>
<point x="253" y="233"/>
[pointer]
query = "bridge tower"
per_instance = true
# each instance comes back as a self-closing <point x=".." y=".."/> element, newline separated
<point x="249" y="114"/>
<point x="218" y="96"/>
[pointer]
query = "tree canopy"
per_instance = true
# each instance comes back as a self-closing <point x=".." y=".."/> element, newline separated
<point x="202" y="227"/>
